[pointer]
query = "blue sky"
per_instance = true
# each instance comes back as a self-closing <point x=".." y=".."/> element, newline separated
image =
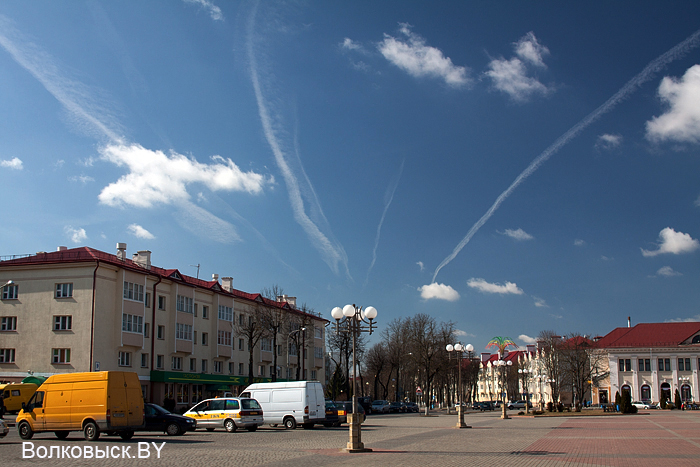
<point x="509" y="166"/>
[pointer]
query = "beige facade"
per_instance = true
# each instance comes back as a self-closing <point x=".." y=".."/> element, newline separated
<point x="86" y="310"/>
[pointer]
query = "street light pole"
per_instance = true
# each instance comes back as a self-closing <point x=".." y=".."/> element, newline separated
<point x="526" y="390"/>
<point x="354" y="320"/>
<point x="504" y="366"/>
<point x="459" y="348"/>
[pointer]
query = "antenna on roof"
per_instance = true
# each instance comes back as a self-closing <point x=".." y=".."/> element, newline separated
<point x="196" y="266"/>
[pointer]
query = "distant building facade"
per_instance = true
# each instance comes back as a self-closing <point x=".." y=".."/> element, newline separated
<point x="86" y="310"/>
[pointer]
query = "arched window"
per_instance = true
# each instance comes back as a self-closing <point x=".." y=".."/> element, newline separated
<point x="686" y="394"/>
<point x="696" y="339"/>
<point x="646" y="393"/>
<point x="666" y="391"/>
<point x="625" y="388"/>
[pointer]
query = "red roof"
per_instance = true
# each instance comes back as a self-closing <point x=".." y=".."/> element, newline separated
<point x="87" y="254"/>
<point x="650" y="335"/>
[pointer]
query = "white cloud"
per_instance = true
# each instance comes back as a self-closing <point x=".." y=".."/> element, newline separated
<point x="14" y="164"/>
<point x="482" y="286"/>
<point x="608" y="141"/>
<point x="681" y="122"/>
<point x="156" y="178"/>
<point x="540" y="303"/>
<point x="579" y="242"/>
<point x="76" y="235"/>
<point x="683" y="320"/>
<point x="511" y="76"/>
<point x="527" y="339"/>
<point x="419" y="59"/>
<point x="214" y="11"/>
<point x="349" y="44"/>
<point x="528" y="48"/>
<point x="421" y="265"/>
<point x="697" y="201"/>
<point x="140" y="232"/>
<point x="438" y="291"/>
<point x="81" y="178"/>
<point x="519" y="234"/>
<point x="667" y="271"/>
<point x="673" y="242"/>
<point x="556" y="316"/>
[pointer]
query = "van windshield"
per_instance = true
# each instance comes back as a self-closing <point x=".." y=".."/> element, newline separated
<point x="250" y="404"/>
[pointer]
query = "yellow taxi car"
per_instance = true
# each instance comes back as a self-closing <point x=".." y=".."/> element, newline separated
<point x="229" y="413"/>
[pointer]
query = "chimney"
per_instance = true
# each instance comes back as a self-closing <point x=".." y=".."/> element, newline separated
<point x="485" y="356"/>
<point x="629" y="321"/>
<point x="215" y="277"/>
<point x="227" y="283"/>
<point x="530" y="348"/>
<point x="143" y="259"/>
<point x="62" y="248"/>
<point x="285" y="298"/>
<point x="121" y="251"/>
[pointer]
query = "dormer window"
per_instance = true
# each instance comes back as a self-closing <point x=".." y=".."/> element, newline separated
<point x="696" y="339"/>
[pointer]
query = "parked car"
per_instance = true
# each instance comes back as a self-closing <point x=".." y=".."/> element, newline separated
<point x="4" y="429"/>
<point x="380" y="406"/>
<point x="344" y="408"/>
<point x="366" y="403"/>
<point x="397" y="407"/>
<point x="412" y="407"/>
<point x="332" y="418"/>
<point x="483" y="406"/>
<point x="159" y="419"/>
<point x="519" y="405"/>
<point x="641" y="405"/>
<point x="230" y="413"/>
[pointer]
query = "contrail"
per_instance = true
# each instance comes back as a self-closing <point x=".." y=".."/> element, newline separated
<point x="388" y="198"/>
<point x="331" y="251"/>
<point x="646" y="74"/>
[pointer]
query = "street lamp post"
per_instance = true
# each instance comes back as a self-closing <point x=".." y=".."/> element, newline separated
<point x="504" y="365"/>
<point x="526" y="389"/>
<point x="459" y="348"/>
<point x="354" y="320"/>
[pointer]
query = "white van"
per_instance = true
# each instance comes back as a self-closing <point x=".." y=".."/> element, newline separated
<point x="290" y="403"/>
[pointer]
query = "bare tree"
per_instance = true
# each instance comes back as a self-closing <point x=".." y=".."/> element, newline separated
<point x="377" y="365"/>
<point x="253" y="329"/>
<point x="581" y="363"/>
<point x="275" y="319"/>
<point x="548" y="347"/>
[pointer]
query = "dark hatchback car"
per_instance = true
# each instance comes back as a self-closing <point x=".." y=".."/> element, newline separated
<point x="397" y="407"/>
<point x="483" y="406"/>
<point x="411" y="407"/>
<point x="159" y="419"/>
<point x="344" y="408"/>
<point x="331" y="415"/>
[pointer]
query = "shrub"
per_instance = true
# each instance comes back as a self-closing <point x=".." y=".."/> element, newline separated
<point x="677" y="400"/>
<point x="550" y="407"/>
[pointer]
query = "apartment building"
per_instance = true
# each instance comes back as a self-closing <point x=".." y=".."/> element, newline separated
<point x="83" y="309"/>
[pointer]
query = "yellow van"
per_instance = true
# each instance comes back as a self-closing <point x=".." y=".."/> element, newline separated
<point x="15" y="394"/>
<point x="88" y="402"/>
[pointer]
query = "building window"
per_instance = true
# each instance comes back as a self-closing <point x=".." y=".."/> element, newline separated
<point x="64" y="290"/>
<point x="204" y="365"/>
<point x="224" y="338"/>
<point x="124" y="359"/>
<point x="313" y="374"/>
<point x="667" y="364"/>
<point x="159" y="361"/>
<point x="261" y="370"/>
<point x="318" y="352"/>
<point x="132" y="323"/>
<point x="318" y="333"/>
<point x="161" y="302"/>
<point x="240" y="368"/>
<point x="240" y="344"/>
<point x="241" y="319"/>
<point x="146" y="330"/>
<point x="185" y="304"/>
<point x="292" y="349"/>
<point x="225" y="313"/>
<point x="133" y="291"/>
<point x="144" y="360"/>
<point x="218" y="367"/>
<point x="8" y="323"/>
<point x="10" y="292"/>
<point x="230" y="368"/>
<point x="266" y="344"/>
<point x="193" y="365"/>
<point x="625" y="364"/>
<point x="646" y="393"/>
<point x="62" y="323"/>
<point x="683" y="364"/>
<point x="205" y="312"/>
<point x="176" y="363"/>
<point x="205" y="338"/>
<point x="647" y="364"/>
<point x="161" y="332"/>
<point x="60" y="356"/>
<point x="7" y="355"/>
<point x="183" y="331"/>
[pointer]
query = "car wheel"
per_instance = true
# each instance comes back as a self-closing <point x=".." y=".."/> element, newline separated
<point x="25" y="431"/>
<point x="61" y="434"/>
<point x="126" y="435"/>
<point x="91" y="432"/>
<point x="290" y="423"/>
<point x="172" y="429"/>
<point x="230" y="425"/>
<point x="252" y="428"/>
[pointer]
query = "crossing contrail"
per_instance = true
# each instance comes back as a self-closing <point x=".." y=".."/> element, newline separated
<point x="632" y="85"/>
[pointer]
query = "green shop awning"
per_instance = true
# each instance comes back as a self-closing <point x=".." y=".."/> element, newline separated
<point x="203" y="378"/>
<point x="38" y="380"/>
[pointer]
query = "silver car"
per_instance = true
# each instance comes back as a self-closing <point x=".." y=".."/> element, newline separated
<point x="380" y="406"/>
